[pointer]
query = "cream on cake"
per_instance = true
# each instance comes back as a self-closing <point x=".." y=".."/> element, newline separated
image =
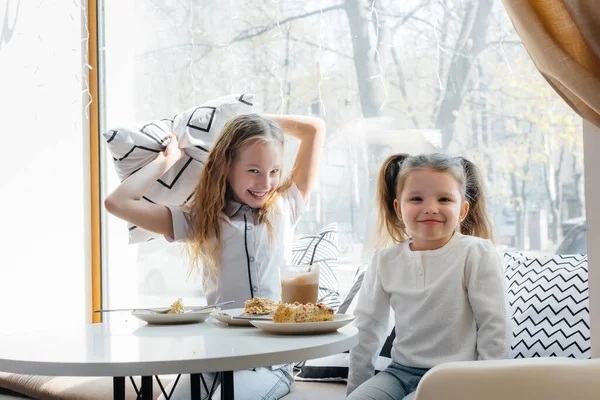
<point x="259" y="306"/>
<point x="299" y="312"/>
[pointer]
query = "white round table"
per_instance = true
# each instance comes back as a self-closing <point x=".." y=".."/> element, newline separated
<point x="134" y="349"/>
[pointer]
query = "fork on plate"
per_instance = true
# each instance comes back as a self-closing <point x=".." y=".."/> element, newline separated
<point x="166" y="311"/>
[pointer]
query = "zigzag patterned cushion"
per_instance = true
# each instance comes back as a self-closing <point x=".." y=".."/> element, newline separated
<point x="321" y="249"/>
<point x="196" y="129"/>
<point x="548" y="303"/>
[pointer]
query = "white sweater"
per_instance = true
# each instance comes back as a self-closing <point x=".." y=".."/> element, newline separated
<point x="449" y="305"/>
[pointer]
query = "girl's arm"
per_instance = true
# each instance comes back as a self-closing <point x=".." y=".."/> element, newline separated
<point x="311" y="132"/>
<point x="372" y="320"/>
<point x="487" y="296"/>
<point x="125" y="201"/>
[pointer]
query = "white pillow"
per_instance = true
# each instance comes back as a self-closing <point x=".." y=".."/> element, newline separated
<point x="196" y="129"/>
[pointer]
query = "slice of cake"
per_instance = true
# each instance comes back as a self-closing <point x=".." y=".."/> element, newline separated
<point x="259" y="306"/>
<point x="177" y="307"/>
<point x="298" y="312"/>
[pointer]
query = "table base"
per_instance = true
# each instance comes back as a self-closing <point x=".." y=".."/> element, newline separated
<point x="197" y="383"/>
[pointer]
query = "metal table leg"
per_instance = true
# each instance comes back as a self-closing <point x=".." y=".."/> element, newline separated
<point x="146" y="390"/>
<point x="119" y="388"/>
<point x="195" y="386"/>
<point x="227" y="385"/>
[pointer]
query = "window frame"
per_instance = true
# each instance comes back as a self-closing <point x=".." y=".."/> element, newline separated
<point x="591" y="162"/>
<point x="95" y="150"/>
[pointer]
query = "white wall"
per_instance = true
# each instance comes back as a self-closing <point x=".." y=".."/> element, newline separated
<point x="44" y="164"/>
<point x="591" y="148"/>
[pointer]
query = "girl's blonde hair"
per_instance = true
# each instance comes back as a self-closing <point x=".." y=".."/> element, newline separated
<point x="212" y="192"/>
<point x="391" y="180"/>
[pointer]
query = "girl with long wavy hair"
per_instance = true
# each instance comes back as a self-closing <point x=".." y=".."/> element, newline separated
<point x="238" y="227"/>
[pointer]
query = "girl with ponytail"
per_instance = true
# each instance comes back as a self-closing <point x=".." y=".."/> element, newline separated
<point x="440" y="274"/>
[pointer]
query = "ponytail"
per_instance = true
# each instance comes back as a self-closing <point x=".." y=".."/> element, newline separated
<point x="388" y="224"/>
<point x="477" y="222"/>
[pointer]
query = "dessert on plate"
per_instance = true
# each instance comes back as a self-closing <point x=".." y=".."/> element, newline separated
<point x="259" y="306"/>
<point x="299" y="312"/>
<point x="177" y="307"/>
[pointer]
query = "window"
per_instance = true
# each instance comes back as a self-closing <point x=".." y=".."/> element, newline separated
<point x="387" y="76"/>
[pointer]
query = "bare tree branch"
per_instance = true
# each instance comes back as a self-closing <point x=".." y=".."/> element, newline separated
<point x="176" y="47"/>
<point x="506" y="116"/>
<point x="495" y="42"/>
<point x="257" y="31"/>
<point x="441" y="48"/>
<point x="204" y="54"/>
<point x="402" y="86"/>
<point x="553" y="187"/>
<point x="521" y="194"/>
<point x="372" y="91"/>
<point x="472" y="39"/>
<point x="334" y="51"/>
<point x="402" y="19"/>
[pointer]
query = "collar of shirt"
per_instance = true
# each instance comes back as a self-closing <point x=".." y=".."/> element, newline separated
<point x="233" y="207"/>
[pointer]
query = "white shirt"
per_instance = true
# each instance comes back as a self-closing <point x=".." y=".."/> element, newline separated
<point x="449" y="304"/>
<point x="249" y="263"/>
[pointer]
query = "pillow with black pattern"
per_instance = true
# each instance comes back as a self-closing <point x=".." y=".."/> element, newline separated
<point x="196" y="129"/>
<point x="548" y="305"/>
<point x="334" y="368"/>
<point x="321" y="249"/>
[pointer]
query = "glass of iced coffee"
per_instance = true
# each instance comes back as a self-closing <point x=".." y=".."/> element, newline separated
<point x="299" y="283"/>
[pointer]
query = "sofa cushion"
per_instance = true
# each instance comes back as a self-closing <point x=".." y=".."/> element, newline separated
<point x="548" y="305"/>
<point x="70" y="388"/>
<point x="323" y="390"/>
<point x="317" y="390"/>
<point x="321" y="249"/>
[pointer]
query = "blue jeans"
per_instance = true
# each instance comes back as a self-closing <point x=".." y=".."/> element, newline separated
<point x="393" y="383"/>
<point x="253" y="384"/>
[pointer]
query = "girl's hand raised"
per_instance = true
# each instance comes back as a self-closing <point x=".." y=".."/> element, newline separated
<point x="311" y="132"/>
<point x="173" y="151"/>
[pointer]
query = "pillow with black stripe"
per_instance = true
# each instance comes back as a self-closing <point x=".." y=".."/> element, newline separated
<point x="548" y="304"/>
<point x="335" y="368"/>
<point x="321" y="249"/>
<point x="196" y="129"/>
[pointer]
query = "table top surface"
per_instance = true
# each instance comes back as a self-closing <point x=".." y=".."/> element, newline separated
<point x="134" y="348"/>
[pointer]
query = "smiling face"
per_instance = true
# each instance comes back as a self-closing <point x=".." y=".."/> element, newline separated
<point x="255" y="172"/>
<point x="431" y="206"/>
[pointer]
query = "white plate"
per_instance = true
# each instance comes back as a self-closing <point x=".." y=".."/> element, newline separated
<point x="224" y="316"/>
<point x="304" y="328"/>
<point x="172" y="319"/>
